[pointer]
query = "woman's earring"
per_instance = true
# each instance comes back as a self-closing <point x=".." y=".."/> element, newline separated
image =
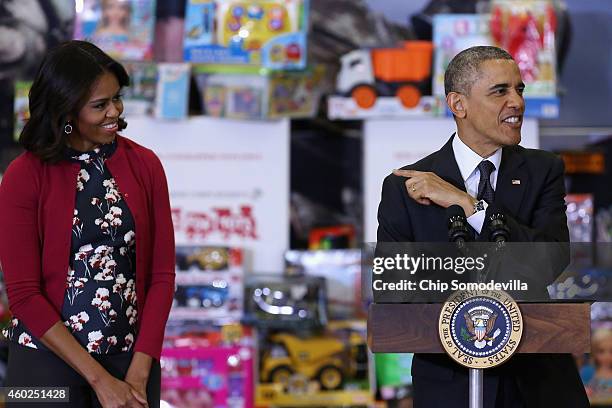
<point x="68" y="129"/>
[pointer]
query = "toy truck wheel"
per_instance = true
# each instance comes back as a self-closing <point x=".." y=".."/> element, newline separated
<point x="281" y="375"/>
<point x="364" y="96"/>
<point x="330" y="378"/>
<point x="408" y="95"/>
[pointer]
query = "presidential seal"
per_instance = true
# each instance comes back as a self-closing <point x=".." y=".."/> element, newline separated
<point x="480" y="328"/>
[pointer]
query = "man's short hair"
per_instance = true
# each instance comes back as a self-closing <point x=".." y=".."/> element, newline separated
<point x="464" y="68"/>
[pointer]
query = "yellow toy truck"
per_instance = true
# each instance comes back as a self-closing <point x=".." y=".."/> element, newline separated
<point x="328" y="360"/>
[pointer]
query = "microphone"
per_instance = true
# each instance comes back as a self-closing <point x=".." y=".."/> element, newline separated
<point x="498" y="229"/>
<point x="457" y="225"/>
<point x="499" y="233"/>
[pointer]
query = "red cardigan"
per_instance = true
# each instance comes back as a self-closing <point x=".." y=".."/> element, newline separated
<point x="37" y="201"/>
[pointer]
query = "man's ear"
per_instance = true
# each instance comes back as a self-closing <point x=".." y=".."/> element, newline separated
<point x="456" y="103"/>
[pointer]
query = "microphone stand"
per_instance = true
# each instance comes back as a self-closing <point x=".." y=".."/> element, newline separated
<point x="458" y="233"/>
<point x="499" y="234"/>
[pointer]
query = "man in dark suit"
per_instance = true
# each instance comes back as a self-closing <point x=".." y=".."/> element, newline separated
<point x="479" y="167"/>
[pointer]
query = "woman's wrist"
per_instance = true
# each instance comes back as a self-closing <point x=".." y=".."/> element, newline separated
<point x="140" y="367"/>
<point x="95" y="376"/>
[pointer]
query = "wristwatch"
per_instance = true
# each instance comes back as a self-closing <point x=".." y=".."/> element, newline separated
<point x="479" y="206"/>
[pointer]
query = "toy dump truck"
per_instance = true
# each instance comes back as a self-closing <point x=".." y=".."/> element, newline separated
<point x="323" y="359"/>
<point x="366" y="74"/>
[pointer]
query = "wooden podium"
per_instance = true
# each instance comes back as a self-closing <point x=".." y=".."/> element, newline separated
<point x="413" y="328"/>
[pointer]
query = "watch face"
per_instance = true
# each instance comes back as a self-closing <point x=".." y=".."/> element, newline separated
<point x="479" y="206"/>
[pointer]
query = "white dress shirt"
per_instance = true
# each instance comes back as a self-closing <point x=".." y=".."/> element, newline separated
<point x="468" y="161"/>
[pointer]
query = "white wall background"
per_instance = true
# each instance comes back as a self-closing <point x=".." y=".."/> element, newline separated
<point x="217" y="166"/>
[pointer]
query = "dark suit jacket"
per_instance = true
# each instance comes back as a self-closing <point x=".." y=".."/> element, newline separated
<point x="535" y="211"/>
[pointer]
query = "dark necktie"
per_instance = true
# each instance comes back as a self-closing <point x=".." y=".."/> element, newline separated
<point x="485" y="189"/>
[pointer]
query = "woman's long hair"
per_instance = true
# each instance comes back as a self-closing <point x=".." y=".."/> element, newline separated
<point x="61" y="88"/>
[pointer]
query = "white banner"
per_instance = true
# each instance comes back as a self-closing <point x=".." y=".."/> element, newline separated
<point x="228" y="181"/>
<point x="391" y="144"/>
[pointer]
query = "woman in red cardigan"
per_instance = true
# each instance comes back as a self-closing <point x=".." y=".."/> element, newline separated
<point x="86" y="240"/>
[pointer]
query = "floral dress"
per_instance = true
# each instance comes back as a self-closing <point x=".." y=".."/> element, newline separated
<point x="100" y="305"/>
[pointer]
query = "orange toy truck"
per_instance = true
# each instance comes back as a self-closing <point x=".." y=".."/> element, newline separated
<point x="366" y="74"/>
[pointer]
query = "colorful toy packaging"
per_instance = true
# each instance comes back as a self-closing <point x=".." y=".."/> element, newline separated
<point x="209" y="368"/>
<point x="526" y="29"/>
<point x="393" y="373"/>
<point x="580" y="217"/>
<point x="273" y="301"/>
<point x="21" y="106"/>
<point x="332" y="237"/>
<point x="161" y="90"/>
<point x="237" y="93"/>
<point x="295" y="94"/>
<point x="172" y="97"/>
<point x="342" y="272"/>
<point x="253" y="93"/>
<point x="340" y="107"/>
<point x="139" y="97"/>
<point x="209" y="284"/>
<point x="453" y="33"/>
<point x="122" y="28"/>
<point x="267" y="33"/>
